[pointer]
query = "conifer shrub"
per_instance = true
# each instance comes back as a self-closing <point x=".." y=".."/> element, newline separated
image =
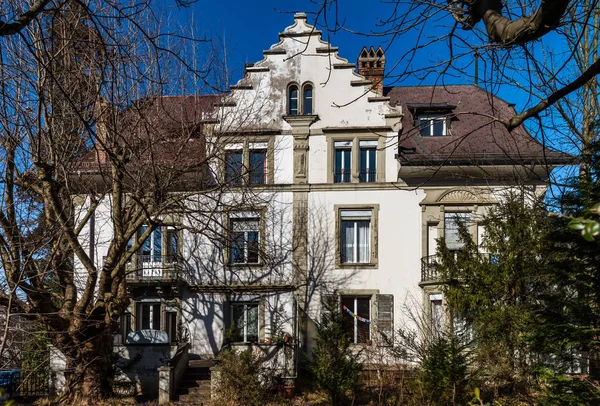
<point x="335" y="368"/>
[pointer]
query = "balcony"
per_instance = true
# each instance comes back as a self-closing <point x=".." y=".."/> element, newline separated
<point x="144" y="269"/>
<point x="429" y="270"/>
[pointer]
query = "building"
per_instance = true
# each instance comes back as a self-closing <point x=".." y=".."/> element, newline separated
<point x="332" y="185"/>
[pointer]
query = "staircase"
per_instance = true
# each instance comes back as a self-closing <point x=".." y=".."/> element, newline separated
<point x="195" y="386"/>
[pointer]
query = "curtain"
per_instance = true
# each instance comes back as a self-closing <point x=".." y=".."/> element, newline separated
<point x="364" y="241"/>
<point x="252" y="326"/>
<point x="347" y="234"/>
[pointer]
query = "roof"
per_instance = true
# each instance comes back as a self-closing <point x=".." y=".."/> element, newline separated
<point x="475" y="136"/>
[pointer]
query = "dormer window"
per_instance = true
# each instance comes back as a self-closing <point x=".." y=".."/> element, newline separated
<point x="300" y="100"/>
<point x="432" y="125"/>
<point x="293" y="100"/>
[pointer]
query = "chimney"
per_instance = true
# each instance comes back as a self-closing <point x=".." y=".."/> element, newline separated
<point x="371" y="64"/>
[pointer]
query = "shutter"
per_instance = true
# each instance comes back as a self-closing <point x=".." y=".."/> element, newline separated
<point x="385" y="319"/>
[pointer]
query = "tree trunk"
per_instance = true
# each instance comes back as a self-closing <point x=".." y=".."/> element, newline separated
<point x="91" y="373"/>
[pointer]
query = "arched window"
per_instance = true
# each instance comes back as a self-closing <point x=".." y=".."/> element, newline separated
<point x="293" y="100"/>
<point x="307" y="100"/>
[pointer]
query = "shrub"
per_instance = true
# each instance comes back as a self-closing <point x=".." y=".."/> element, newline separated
<point x="444" y="372"/>
<point x="240" y="380"/>
<point x="334" y="368"/>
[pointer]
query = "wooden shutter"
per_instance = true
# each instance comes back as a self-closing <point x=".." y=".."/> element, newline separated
<point x="385" y="320"/>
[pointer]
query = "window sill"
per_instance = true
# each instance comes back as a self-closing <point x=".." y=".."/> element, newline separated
<point x="351" y="265"/>
<point x="246" y="265"/>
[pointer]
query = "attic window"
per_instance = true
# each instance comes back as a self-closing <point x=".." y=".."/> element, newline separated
<point x="432" y="125"/>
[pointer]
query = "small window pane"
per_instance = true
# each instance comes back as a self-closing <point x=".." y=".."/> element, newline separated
<point x="156" y="317"/>
<point x="363" y="311"/>
<point x="307" y="103"/>
<point x="293" y="101"/>
<point x="157" y="249"/>
<point x="234" y="167"/>
<point x="252" y="323"/>
<point x="347" y="241"/>
<point x="347" y="318"/>
<point x="438" y="127"/>
<point x="237" y="248"/>
<point x="257" y="167"/>
<point x="253" y="247"/>
<point x="425" y="127"/>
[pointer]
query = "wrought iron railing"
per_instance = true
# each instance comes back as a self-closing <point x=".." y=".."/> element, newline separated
<point x="342" y="176"/>
<point x="155" y="268"/>
<point x="429" y="269"/>
<point x="369" y="175"/>
<point x="32" y="383"/>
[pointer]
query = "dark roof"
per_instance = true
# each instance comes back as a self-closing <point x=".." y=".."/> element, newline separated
<point x="153" y="128"/>
<point x="474" y="136"/>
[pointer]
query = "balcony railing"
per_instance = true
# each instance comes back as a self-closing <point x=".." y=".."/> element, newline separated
<point x="162" y="268"/>
<point x="368" y="175"/>
<point x="429" y="269"/>
<point x="342" y="176"/>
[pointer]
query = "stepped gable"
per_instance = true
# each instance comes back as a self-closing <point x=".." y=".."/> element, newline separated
<point x="473" y="137"/>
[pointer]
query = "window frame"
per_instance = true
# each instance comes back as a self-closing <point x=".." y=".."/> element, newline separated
<point x="306" y="86"/>
<point x="368" y="146"/>
<point x="293" y="87"/>
<point x="354" y="311"/>
<point x="245" y="305"/>
<point x="432" y="118"/>
<point x="245" y="215"/>
<point x="247" y="147"/>
<point x="373" y="235"/>
<point x="345" y="150"/>
<point x="355" y="162"/>
<point x="139" y="323"/>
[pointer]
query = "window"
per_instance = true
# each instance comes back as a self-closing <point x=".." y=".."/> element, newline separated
<point x="244" y="238"/>
<point x="125" y="325"/>
<point x="437" y="313"/>
<point x="356" y="312"/>
<point x="343" y="161"/>
<point x="432" y="125"/>
<point x="368" y="161"/>
<point x="162" y="239"/>
<point x="247" y="162"/>
<point x="148" y="316"/>
<point x="451" y="229"/>
<point x="244" y="321"/>
<point x="307" y="100"/>
<point x="355" y="236"/>
<point x="293" y="107"/>
<point x="234" y="166"/>
<point x="172" y="325"/>
<point x="258" y="166"/>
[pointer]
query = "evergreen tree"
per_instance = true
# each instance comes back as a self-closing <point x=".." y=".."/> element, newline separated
<point x="569" y="314"/>
<point x="335" y="367"/>
<point x="492" y="288"/>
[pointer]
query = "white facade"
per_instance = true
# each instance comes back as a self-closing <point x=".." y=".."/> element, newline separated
<point x="333" y="215"/>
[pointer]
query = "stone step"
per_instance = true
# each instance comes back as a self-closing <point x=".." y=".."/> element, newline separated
<point x="201" y="392"/>
<point x="194" y="400"/>
<point x="188" y="383"/>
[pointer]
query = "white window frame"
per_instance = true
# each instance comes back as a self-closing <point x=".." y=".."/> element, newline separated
<point x="356" y="215"/>
<point x="368" y="146"/>
<point x="241" y="216"/>
<point x="354" y="310"/>
<point x="246" y="306"/>
<point x="431" y="118"/>
<point x="140" y="313"/>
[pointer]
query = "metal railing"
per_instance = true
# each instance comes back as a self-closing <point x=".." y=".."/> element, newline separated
<point x="342" y="176"/>
<point x="429" y="269"/>
<point x="33" y="383"/>
<point x="155" y="268"/>
<point x="369" y="175"/>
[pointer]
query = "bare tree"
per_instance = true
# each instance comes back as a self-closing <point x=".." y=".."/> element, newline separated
<point x="507" y="43"/>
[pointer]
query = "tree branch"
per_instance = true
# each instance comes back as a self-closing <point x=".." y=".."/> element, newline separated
<point x="585" y="77"/>
<point x="23" y="21"/>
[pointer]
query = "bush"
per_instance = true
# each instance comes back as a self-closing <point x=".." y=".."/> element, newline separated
<point x="240" y="380"/>
<point x="444" y="373"/>
<point x="562" y="390"/>
<point x="334" y="368"/>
